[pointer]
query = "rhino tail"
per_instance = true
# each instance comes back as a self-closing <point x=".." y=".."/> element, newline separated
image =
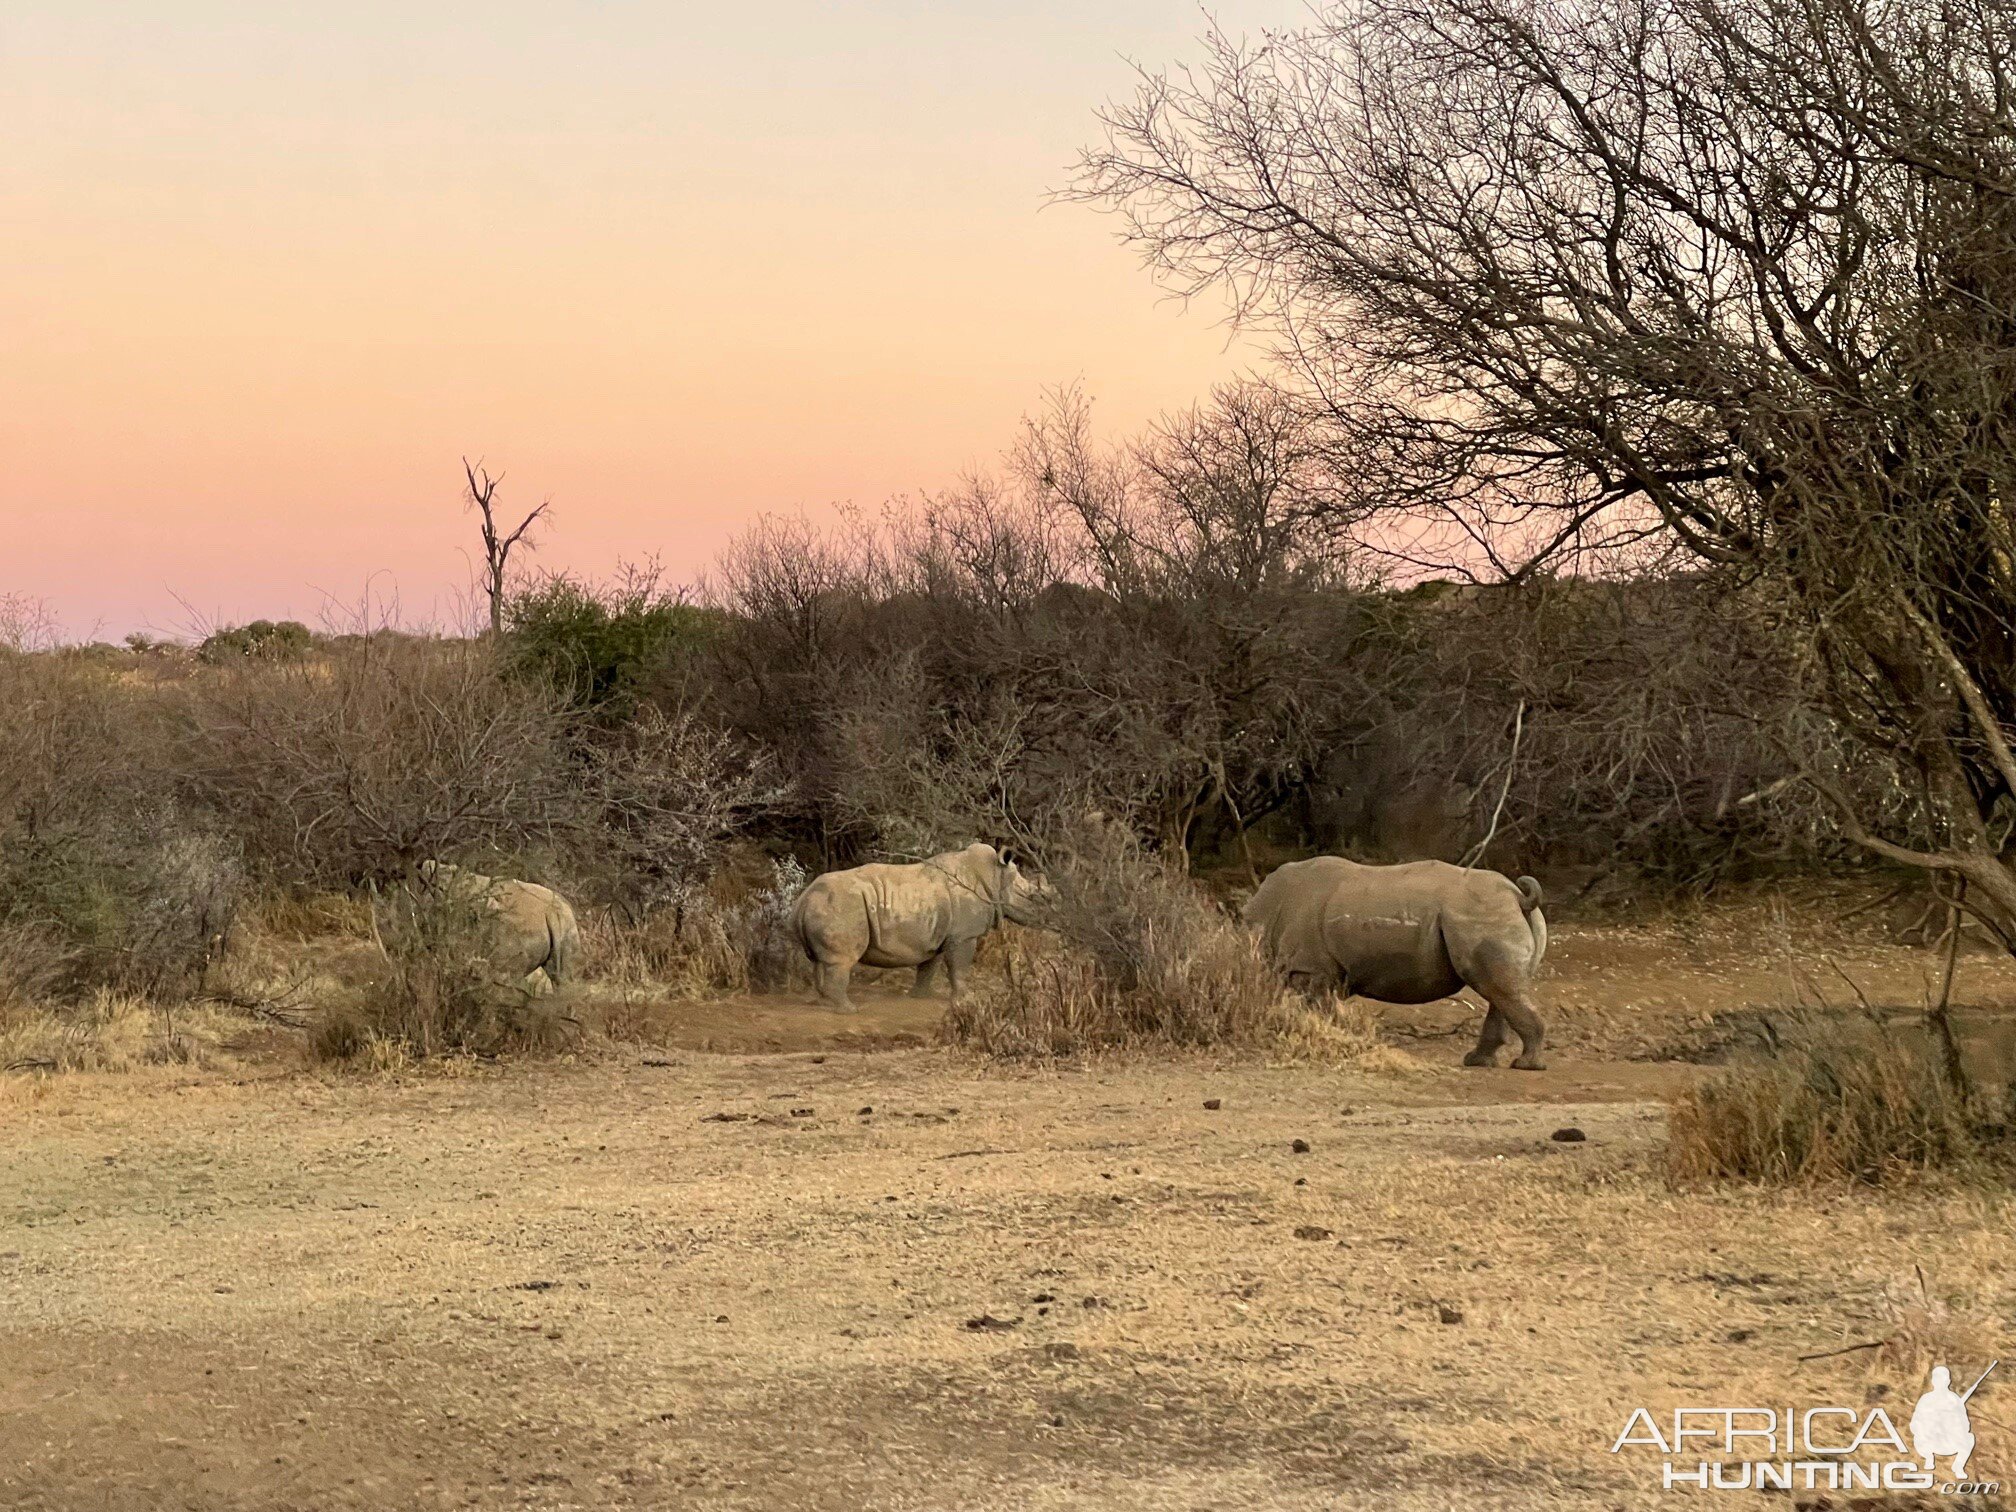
<point x="1529" y="894"/>
<point x="561" y="944"/>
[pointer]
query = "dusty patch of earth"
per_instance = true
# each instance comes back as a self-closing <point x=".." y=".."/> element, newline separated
<point x="840" y="1278"/>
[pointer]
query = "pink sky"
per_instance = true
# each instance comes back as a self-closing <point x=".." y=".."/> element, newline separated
<point x="265" y="276"/>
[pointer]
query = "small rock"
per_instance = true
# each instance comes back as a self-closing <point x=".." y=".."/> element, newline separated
<point x="1740" y="1335"/>
<point x="728" y="1118"/>
<point x="801" y="1112"/>
<point x="988" y="1323"/>
<point x="1301" y="1181"/>
<point x="1213" y="1104"/>
<point x="1300" y="1147"/>
<point x="1091" y="1302"/>
<point x="1312" y="1231"/>
<point x="1449" y="1314"/>
<point x="864" y="1112"/>
<point x="1568" y="1136"/>
<point x="1043" y="1297"/>
<point x="818" y="1060"/>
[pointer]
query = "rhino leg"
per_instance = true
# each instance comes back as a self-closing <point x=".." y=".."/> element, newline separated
<point x="1532" y="1037"/>
<point x="958" y="958"/>
<point x="1500" y="975"/>
<point x="831" y="977"/>
<point x="1489" y="1039"/>
<point x="927" y="975"/>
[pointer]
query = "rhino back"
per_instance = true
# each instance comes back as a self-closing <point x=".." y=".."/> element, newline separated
<point x="1402" y="933"/>
<point x="884" y="915"/>
<point x="1287" y="911"/>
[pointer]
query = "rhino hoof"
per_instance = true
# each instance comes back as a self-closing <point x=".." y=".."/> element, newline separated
<point x="1481" y="1058"/>
<point x="1529" y="1063"/>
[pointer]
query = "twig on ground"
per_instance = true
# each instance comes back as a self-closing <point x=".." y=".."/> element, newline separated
<point x="1828" y="1354"/>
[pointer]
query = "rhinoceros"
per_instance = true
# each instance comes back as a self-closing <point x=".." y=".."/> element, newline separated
<point x="1411" y="934"/>
<point x="908" y="915"/>
<point x="526" y="927"/>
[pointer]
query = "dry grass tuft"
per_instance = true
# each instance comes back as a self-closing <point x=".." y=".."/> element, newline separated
<point x="1871" y="1107"/>
<point x="1140" y="957"/>
<point x="721" y="940"/>
<point x="113" y="1031"/>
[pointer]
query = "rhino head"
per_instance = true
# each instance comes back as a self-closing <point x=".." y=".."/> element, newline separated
<point x="1024" y="898"/>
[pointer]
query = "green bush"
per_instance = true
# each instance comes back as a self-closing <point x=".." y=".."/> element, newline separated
<point x="600" y="645"/>
<point x="264" y="640"/>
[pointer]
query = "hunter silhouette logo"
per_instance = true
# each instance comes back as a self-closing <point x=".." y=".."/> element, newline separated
<point x="1826" y="1447"/>
<point x="1939" y="1423"/>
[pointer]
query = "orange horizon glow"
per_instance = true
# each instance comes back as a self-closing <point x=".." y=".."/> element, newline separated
<point x="268" y="277"/>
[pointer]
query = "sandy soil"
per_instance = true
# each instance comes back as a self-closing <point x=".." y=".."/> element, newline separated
<point x="838" y="1275"/>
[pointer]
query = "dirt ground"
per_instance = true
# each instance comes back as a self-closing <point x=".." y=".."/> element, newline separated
<point x="790" y="1260"/>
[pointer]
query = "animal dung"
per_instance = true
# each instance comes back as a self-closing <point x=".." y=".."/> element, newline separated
<point x="1213" y="1104"/>
<point x="1300" y="1147"/>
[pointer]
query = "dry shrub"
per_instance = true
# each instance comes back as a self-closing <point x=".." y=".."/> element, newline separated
<point x="1139" y="957"/>
<point x="706" y="942"/>
<point x="112" y="1031"/>
<point x="668" y="792"/>
<point x="440" y="994"/>
<point x="107" y="876"/>
<point x="1872" y="1108"/>
<point x="32" y="966"/>
<point x="301" y="917"/>
<point x="377" y="755"/>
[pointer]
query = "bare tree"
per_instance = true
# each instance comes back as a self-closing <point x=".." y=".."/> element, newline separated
<point x="498" y="543"/>
<point x="27" y="623"/>
<point x="1736" y="277"/>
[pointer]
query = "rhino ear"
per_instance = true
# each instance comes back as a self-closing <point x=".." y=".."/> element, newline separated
<point x="1008" y="857"/>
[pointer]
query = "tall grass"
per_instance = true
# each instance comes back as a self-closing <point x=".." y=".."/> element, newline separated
<point x="1869" y="1106"/>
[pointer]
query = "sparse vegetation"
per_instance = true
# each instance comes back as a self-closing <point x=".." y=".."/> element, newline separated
<point x="1139" y="958"/>
<point x="441" y="993"/>
<point x="1852" y="1103"/>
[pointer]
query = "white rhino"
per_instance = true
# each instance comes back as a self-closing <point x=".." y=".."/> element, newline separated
<point x="1411" y="934"/>
<point x="527" y="927"/>
<point x="915" y="915"/>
